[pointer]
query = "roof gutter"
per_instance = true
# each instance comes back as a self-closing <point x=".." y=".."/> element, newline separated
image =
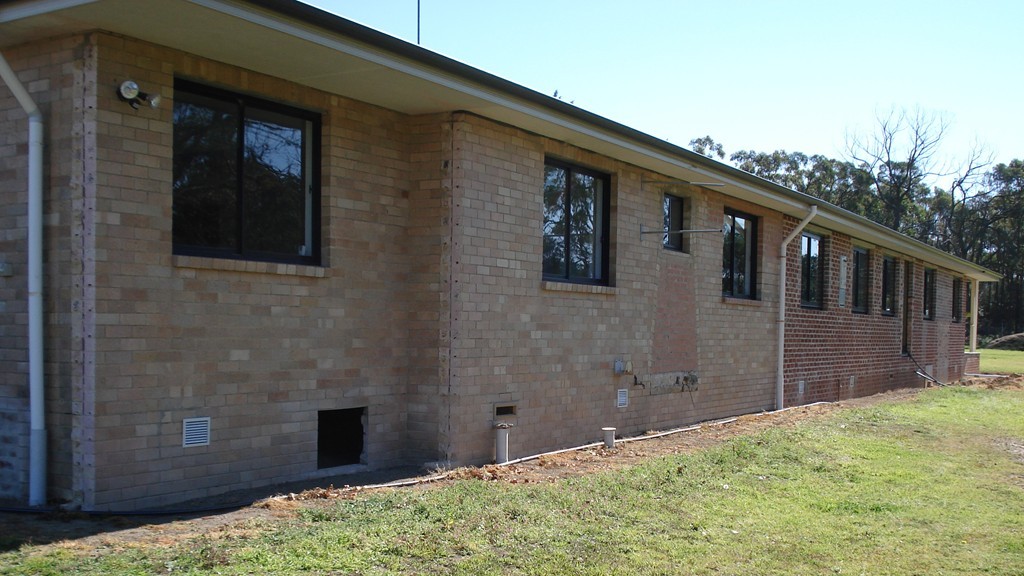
<point x="37" y="440"/>
<point x="781" y="322"/>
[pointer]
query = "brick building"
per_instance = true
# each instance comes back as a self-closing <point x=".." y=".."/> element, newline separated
<point x="277" y="245"/>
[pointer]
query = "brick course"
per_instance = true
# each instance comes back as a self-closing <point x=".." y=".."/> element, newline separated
<point x="429" y="309"/>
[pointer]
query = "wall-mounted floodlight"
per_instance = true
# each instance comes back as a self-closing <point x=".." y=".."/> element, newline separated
<point x="129" y="92"/>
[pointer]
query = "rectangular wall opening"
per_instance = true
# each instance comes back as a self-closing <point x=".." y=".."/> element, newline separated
<point x="339" y="437"/>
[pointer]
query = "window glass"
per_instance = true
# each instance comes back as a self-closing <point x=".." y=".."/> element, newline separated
<point x="204" y="165"/>
<point x="908" y="287"/>
<point x="584" y="215"/>
<point x="958" y="298"/>
<point x="673" y="212"/>
<point x="811" y="271"/>
<point x="929" y="294"/>
<point x="575" y="220"/>
<point x="861" y="280"/>
<point x="243" y="177"/>
<point x="889" y="286"/>
<point x="275" y="202"/>
<point x="555" y="223"/>
<point x="739" y="255"/>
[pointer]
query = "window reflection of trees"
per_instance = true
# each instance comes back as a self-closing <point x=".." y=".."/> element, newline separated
<point x="240" y="178"/>
<point x="205" y="161"/>
<point x="573" y="218"/>
<point x="738" y="255"/>
<point x="275" y="204"/>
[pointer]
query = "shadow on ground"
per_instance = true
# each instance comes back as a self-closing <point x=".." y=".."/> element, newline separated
<point x="23" y="526"/>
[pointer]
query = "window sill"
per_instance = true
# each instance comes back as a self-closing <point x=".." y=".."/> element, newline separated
<point x="251" y="266"/>
<point x="807" y="306"/>
<point x="578" y="288"/>
<point x="740" y="301"/>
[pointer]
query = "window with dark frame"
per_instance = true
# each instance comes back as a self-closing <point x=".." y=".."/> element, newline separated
<point x="907" y="333"/>
<point x="576" y="220"/>
<point x="958" y="300"/>
<point x="889" y="286"/>
<point x="674" y="210"/>
<point x="812" y="271"/>
<point x="861" y="280"/>
<point x="739" y="255"/>
<point x="929" y="294"/>
<point x="244" y="177"/>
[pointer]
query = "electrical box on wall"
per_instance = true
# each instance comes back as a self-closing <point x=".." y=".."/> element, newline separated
<point x="842" y="281"/>
<point x="620" y="366"/>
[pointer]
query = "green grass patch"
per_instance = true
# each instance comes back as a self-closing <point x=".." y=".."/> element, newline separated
<point x="930" y="486"/>
<point x="1002" y="361"/>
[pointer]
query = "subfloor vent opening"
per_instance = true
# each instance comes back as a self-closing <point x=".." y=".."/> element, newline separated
<point x="195" y="432"/>
<point x="340" y="437"/>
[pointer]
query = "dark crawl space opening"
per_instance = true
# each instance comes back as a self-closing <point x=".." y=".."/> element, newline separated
<point x="339" y="438"/>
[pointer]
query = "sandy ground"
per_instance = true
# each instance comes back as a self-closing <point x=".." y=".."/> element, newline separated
<point x="108" y="533"/>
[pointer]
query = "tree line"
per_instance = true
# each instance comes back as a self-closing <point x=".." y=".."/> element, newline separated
<point x="973" y="209"/>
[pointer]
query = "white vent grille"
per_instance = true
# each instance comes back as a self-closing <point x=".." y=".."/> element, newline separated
<point x="195" y="432"/>
<point x="623" y="398"/>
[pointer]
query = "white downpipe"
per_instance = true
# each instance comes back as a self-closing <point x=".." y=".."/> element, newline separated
<point x="781" y="322"/>
<point x="37" y="440"/>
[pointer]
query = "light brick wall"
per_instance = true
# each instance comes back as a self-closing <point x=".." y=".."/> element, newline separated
<point x="429" y="310"/>
<point x="53" y="73"/>
<point x="427" y="278"/>
<point x="549" y="348"/>
<point x="260" y="348"/>
<point x="737" y="346"/>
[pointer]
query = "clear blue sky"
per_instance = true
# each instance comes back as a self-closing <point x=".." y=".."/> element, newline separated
<point x="754" y="75"/>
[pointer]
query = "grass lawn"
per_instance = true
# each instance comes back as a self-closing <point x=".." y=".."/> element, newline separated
<point x="1002" y="362"/>
<point x="934" y="485"/>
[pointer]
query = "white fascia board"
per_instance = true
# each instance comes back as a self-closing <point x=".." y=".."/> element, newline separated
<point x="444" y="80"/>
<point x="667" y="163"/>
<point x="590" y="136"/>
<point x="22" y="10"/>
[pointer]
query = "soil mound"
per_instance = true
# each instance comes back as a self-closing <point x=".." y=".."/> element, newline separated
<point x="1011" y="342"/>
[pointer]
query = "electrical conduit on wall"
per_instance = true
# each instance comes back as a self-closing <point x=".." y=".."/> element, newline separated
<point x="37" y="440"/>
<point x="781" y="322"/>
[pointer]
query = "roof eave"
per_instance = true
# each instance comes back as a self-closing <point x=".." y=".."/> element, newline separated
<point x="445" y="84"/>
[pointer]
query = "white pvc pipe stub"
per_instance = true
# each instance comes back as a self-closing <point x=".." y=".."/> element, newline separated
<point x="501" y="442"/>
<point x="609" y="437"/>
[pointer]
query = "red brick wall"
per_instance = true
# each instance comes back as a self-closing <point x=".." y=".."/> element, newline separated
<point x="827" y="347"/>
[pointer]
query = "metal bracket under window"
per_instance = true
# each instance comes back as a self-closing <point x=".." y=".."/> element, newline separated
<point x="644" y="231"/>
